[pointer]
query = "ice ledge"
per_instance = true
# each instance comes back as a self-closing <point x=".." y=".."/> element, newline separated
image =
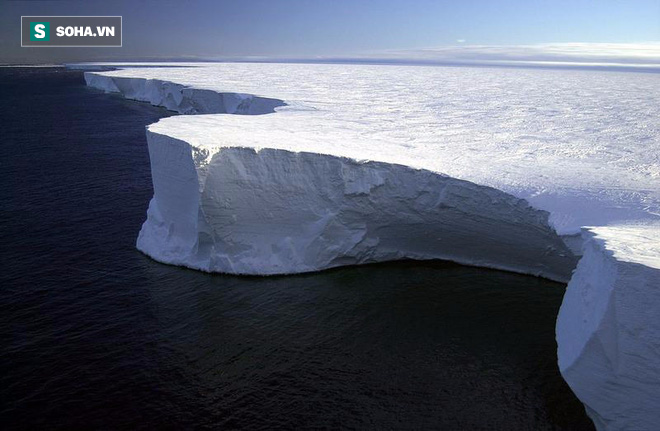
<point x="182" y="99"/>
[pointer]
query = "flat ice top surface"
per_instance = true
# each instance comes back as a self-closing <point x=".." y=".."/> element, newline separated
<point x="633" y="243"/>
<point x="584" y="145"/>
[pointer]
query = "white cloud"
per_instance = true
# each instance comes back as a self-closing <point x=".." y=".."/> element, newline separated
<point x="575" y="53"/>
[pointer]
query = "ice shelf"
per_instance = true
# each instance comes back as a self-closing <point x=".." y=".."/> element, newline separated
<point x="338" y="164"/>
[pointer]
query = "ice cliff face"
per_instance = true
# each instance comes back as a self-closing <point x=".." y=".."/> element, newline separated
<point x="273" y="211"/>
<point x="182" y="99"/>
<point x="608" y="330"/>
<point x="341" y="175"/>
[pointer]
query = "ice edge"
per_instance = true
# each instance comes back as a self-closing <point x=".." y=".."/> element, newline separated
<point x="436" y="212"/>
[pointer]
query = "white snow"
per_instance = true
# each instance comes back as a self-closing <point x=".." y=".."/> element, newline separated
<point x="364" y="163"/>
<point x="557" y="138"/>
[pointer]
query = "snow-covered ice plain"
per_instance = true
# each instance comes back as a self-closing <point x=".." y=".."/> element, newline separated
<point x="484" y="166"/>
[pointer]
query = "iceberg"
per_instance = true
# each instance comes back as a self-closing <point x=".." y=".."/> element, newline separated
<point x="514" y="169"/>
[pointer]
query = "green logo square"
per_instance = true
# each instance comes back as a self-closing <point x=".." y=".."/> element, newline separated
<point x="39" y="31"/>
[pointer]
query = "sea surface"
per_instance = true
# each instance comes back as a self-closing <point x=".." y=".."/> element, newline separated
<point x="95" y="335"/>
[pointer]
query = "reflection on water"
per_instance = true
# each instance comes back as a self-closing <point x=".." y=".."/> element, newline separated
<point x="96" y="335"/>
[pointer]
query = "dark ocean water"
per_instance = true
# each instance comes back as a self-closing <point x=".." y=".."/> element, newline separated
<point x="94" y="335"/>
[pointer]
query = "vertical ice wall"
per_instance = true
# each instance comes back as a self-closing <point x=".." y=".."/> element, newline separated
<point x="608" y="329"/>
<point x="237" y="210"/>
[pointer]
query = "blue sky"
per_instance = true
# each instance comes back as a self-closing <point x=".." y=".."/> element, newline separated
<point x="336" y="28"/>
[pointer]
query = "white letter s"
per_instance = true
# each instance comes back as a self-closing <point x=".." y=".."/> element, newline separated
<point x="39" y="32"/>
